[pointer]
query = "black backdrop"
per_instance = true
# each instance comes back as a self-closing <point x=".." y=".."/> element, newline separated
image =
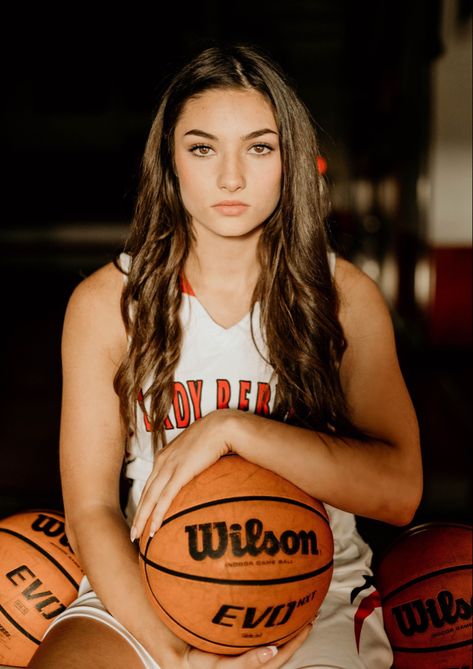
<point x="81" y="87"/>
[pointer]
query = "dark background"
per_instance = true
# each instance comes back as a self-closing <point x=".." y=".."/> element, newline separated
<point x="81" y="88"/>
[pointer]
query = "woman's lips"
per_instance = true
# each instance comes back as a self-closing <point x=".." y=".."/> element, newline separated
<point x="230" y="208"/>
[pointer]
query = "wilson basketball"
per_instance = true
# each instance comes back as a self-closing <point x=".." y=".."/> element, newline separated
<point x="424" y="579"/>
<point x="39" y="577"/>
<point x="242" y="559"/>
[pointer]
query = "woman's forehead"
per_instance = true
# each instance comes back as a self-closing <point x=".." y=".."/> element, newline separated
<point x="221" y="110"/>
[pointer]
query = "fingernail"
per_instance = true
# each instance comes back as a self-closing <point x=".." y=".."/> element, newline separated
<point x="152" y="530"/>
<point x="132" y="534"/>
<point x="265" y="654"/>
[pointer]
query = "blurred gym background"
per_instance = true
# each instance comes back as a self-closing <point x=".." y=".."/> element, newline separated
<point x="389" y="84"/>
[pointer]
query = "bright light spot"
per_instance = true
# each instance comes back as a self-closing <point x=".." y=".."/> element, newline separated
<point x="389" y="280"/>
<point x="388" y="195"/>
<point x="370" y="266"/>
<point x="321" y="164"/>
<point x="363" y="196"/>
<point x="423" y="283"/>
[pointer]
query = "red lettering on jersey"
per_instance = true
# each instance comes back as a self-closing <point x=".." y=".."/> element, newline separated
<point x="262" y="400"/>
<point x="223" y="393"/>
<point x="195" y="391"/>
<point x="148" y="425"/>
<point x="141" y="403"/>
<point x="181" y="405"/>
<point x="243" y="402"/>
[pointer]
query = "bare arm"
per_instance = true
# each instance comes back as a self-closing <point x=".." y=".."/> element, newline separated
<point x="91" y="452"/>
<point x="381" y="479"/>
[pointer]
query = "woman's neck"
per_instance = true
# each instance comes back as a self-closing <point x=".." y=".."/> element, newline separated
<point x="223" y="263"/>
<point x="223" y="273"/>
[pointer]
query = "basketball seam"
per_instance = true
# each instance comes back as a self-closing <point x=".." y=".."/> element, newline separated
<point x="230" y="581"/>
<point x="433" y="649"/>
<point x="244" y="498"/>
<point x="147" y="564"/>
<point x="424" y="577"/>
<point x="418" y="529"/>
<point x="43" y="551"/>
<point x="18" y="626"/>
<point x="219" y="643"/>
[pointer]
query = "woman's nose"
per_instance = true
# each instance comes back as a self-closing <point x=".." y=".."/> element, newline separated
<point x="231" y="175"/>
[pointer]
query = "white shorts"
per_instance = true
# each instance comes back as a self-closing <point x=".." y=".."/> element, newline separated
<point x="348" y="632"/>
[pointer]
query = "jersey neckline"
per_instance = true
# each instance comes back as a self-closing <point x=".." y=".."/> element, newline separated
<point x="187" y="290"/>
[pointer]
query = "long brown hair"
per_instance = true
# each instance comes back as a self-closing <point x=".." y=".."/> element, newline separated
<point x="295" y="288"/>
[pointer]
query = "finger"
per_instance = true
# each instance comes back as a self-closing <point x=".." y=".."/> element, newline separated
<point x="147" y="504"/>
<point x="253" y="659"/>
<point x="268" y="657"/>
<point x="167" y="495"/>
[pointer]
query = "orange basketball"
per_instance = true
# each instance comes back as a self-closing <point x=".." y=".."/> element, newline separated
<point x="242" y="559"/>
<point x="424" y="580"/>
<point x="39" y="577"/>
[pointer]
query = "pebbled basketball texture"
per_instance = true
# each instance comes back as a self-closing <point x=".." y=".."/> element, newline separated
<point x="243" y="558"/>
<point x="424" y="579"/>
<point x="39" y="577"/>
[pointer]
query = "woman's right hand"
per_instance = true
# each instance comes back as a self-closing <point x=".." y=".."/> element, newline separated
<point x="265" y="656"/>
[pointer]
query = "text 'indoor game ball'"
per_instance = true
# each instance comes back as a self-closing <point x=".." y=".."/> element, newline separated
<point x="242" y="559"/>
<point x="39" y="577"/>
<point x="424" y="579"/>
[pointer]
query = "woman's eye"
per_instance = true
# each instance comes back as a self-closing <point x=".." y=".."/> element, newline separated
<point x="261" y="149"/>
<point x="201" y="150"/>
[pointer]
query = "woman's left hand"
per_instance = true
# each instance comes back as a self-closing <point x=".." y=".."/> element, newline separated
<point x="195" y="449"/>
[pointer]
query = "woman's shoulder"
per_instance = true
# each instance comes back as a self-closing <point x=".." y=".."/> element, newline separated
<point x="94" y="307"/>
<point x="351" y="281"/>
<point x="362" y="303"/>
<point x="101" y="289"/>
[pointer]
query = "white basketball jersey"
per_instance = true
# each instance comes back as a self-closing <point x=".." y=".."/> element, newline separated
<point x="222" y="368"/>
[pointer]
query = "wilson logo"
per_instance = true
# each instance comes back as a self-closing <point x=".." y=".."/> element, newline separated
<point x="417" y="616"/>
<point x="213" y="540"/>
<point x="51" y="527"/>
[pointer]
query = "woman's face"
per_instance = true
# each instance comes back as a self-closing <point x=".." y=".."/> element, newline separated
<point x="227" y="158"/>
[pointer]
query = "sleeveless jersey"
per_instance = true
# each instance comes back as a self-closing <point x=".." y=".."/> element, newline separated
<point x="224" y="368"/>
<point x="220" y="368"/>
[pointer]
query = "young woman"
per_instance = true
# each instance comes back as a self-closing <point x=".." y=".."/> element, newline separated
<point x="227" y="276"/>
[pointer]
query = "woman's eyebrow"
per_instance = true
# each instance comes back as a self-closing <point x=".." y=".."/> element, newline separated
<point x="251" y="135"/>
<point x="200" y="133"/>
<point x="258" y="133"/>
